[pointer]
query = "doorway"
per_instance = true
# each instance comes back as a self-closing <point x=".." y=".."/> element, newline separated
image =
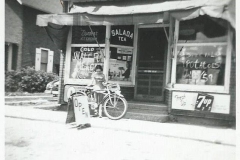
<point x="150" y="76"/>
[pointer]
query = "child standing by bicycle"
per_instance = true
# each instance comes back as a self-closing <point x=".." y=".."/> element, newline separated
<point x="98" y="78"/>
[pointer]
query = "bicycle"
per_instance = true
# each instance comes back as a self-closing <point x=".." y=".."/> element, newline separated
<point x="113" y="103"/>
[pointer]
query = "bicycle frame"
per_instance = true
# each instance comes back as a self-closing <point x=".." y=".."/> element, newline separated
<point x="107" y="94"/>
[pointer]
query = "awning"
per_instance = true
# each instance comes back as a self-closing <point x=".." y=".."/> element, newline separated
<point x="142" y="13"/>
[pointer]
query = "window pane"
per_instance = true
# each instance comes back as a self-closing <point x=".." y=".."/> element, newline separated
<point x="120" y="64"/>
<point x="44" y="56"/>
<point x="201" y="65"/>
<point x="84" y="60"/>
<point x="203" y="29"/>
<point x="44" y="67"/>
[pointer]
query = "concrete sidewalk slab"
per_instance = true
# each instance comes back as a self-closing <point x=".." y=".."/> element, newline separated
<point x="219" y="135"/>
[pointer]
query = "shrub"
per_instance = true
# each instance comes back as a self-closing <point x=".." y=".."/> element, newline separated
<point x="28" y="80"/>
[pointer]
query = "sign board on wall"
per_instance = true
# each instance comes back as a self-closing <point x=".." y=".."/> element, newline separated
<point x="122" y="35"/>
<point x="83" y="34"/>
<point x="188" y="100"/>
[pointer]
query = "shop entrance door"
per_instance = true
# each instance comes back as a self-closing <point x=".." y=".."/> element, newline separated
<point x="152" y="50"/>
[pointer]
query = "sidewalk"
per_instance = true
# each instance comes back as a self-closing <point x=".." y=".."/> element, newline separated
<point x="219" y="135"/>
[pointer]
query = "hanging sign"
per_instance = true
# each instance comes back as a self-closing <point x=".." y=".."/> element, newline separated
<point x="81" y="110"/>
<point x="122" y="35"/>
<point x="84" y="35"/>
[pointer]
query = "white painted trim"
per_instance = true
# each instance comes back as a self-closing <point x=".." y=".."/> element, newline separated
<point x="228" y="62"/>
<point x="50" y="59"/>
<point x="174" y="59"/>
<point x="10" y="50"/>
<point x="112" y="45"/>
<point x="202" y="88"/>
<point x="68" y="58"/>
<point x="169" y="56"/>
<point x="201" y="44"/>
<point x="135" y="52"/>
<point x="153" y="25"/>
<point x="88" y="45"/>
<point x="44" y="48"/>
<point x="107" y="51"/>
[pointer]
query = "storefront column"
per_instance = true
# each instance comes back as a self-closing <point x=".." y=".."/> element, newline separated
<point x="61" y="78"/>
<point x="62" y="66"/>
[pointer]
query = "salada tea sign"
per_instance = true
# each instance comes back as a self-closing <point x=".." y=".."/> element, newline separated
<point x="84" y="60"/>
<point x="193" y="101"/>
<point x="201" y="65"/>
<point x="122" y="35"/>
<point x="84" y="35"/>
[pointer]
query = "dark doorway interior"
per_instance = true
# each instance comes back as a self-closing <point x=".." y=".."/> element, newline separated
<point x="152" y="48"/>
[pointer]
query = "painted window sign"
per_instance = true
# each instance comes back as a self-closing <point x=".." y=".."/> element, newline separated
<point x="201" y="65"/>
<point x="204" y="102"/>
<point x="84" y="60"/>
<point x="122" y="35"/>
<point x="84" y="35"/>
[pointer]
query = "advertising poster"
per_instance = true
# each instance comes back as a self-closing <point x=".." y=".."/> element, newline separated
<point x="84" y="60"/>
<point x="193" y="101"/>
<point x="116" y="69"/>
<point x="120" y="64"/>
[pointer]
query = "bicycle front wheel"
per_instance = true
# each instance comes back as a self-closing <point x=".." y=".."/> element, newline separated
<point x="115" y="107"/>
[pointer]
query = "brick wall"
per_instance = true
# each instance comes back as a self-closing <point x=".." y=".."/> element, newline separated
<point x="35" y="37"/>
<point x="14" y="26"/>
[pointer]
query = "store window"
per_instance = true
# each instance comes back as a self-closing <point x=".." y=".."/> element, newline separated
<point x="201" y="52"/>
<point x="87" y="51"/>
<point x="121" y="53"/>
<point x="84" y="60"/>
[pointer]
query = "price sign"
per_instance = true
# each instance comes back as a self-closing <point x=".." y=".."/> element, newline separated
<point x="204" y="102"/>
<point x="81" y="110"/>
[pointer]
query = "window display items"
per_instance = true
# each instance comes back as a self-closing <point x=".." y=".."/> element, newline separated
<point x="84" y="60"/>
<point x="119" y="70"/>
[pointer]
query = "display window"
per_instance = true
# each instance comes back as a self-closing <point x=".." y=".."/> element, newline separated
<point x="84" y="60"/>
<point x="202" y="56"/>
<point x="121" y="53"/>
<point x="86" y="51"/>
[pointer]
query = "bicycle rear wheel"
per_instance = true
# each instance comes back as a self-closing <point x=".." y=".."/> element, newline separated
<point x="115" y="107"/>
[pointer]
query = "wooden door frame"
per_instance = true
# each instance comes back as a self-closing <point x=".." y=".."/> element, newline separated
<point x="137" y="57"/>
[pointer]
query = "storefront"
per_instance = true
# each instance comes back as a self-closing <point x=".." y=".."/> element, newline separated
<point x="176" y="56"/>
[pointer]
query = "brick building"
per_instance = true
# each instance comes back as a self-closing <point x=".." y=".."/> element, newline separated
<point x="23" y="39"/>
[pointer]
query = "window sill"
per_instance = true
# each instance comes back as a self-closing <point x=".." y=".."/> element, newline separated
<point x="197" y="88"/>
